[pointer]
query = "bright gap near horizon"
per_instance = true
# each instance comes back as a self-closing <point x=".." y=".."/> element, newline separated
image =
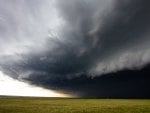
<point x="12" y="87"/>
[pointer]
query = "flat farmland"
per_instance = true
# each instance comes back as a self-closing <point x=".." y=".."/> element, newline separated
<point x="71" y="105"/>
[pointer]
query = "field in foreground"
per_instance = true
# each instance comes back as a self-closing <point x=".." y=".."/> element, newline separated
<point x="62" y="105"/>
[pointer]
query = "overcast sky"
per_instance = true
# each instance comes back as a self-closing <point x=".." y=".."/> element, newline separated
<point x="65" y="44"/>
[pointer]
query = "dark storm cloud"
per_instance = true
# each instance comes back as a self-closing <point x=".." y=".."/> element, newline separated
<point x="92" y="38"/>
<point x="124" y="84"/>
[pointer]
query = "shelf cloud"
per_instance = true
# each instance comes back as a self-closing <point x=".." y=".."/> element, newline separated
<point x="76" y="46"/>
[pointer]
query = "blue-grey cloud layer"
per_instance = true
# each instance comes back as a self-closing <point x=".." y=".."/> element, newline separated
<point x="51" y="43"/>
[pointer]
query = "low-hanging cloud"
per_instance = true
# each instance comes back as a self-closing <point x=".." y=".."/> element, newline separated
<point x="60" y="44"/>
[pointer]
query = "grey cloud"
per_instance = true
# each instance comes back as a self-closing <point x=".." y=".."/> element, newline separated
<point x="91" y="38"/>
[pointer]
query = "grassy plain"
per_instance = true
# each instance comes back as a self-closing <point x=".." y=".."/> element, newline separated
<point x="68" y="105"/>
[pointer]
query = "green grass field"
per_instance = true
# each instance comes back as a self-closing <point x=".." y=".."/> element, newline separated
<point x="62" y="105"/>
